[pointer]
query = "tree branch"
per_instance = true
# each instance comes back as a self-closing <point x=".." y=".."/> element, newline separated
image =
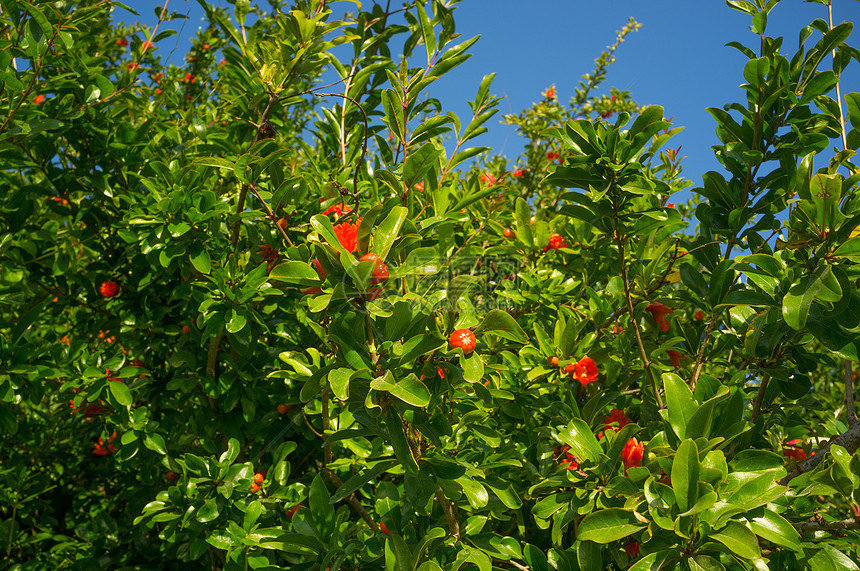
<point x="448" y="508"/>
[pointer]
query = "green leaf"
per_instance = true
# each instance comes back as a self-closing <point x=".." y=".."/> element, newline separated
<point x="398" y="557"/>
<point x="319" y="502"/>
<point x="506" y="492"/>
<point x="795" y="304"/>
<point x="200" y="258"/>
<point x="295" y="272"/>
<point x="360" y="479"/>
<point x="322" y="224"/>
<point x="680" y="403"/>
<point x="155" y="442"/>
<point x="411" y="390"/>
<point x="606" y="526"/>
<point x="502" y="324"/>
<point x="209" y="511"/>
<point x="418" y="162"/>
<point x="475" y="492"/>
<point x="580" y="438"/>
<point x="388" y="231"/>
<point x="236" y="322"/>
<point x="473" y="367"/>
<point x="120" y="392"/>
<point x="849" y="250"/>
<point x="776" y="529"/>
<point x="739" y="539"/>
<point x="700" y="423"/>
<point x="213" y="162"/>
<point x="398" y="441"/>
<point x="685" y="475"/>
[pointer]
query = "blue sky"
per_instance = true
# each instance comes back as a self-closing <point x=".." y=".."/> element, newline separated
<point x="677" y="59"/>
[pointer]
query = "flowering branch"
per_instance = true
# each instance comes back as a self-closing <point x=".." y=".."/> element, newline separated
<point x="850" y="440"/>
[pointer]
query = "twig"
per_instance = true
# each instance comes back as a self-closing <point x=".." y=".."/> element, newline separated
<point x="314" y="430"/>
<point x="262" y="133"/>
<point x="642" y="353"/>
<point x="849" y="394"/>
<point x="760" y="397"/>
<point x="838" y="93"/>
<point x="822" y="525"/>
<point x="271" y="214"/>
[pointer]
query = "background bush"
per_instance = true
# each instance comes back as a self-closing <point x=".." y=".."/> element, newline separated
<point x="196" y="369"/>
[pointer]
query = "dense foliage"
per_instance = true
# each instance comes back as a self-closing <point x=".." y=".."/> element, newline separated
<point x="250" y="321"/>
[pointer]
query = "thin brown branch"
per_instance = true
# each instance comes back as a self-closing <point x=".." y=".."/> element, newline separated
<point x="271" y="214"/>
<point x="353" y="501"/>
<point x="363" y="143"/>
<point x="760" y="397"/>
<point x="645" y="361"/>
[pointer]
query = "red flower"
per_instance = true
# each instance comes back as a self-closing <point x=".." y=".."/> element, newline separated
<point x="550" y="93"/>
<point x="797" y="454"/>
<point x="338" y="208"/>
<point x="383" y="528"/>
<point x="109" y="288"/>
<point x="699" y="315"/>
<point x="101" y="450"/>
<point x="552" y="155"/>
<point x="122" y="42"/>
<point x="131" y="66"/>
<point x="632" y="549"/>
<point x="419" y="186"/>
<point x="292" y="511"/>
<point x="190" y="78"/>
<point x="158" y="91"/>
<point x="675" y="357"/>
<point x="347" y="234"/>
<point x="569" y="462"/>
<point x="146" y="45"/>
<point x="616" y="420"/>
<point x="585" y="370"/>
<point x="488" y="178"/>
<point x="632" y="454"/>
<point x="519" y="173"/>
<point x="555" y="242"/>
<point x="222" y="62"/>
<point x="205" y="46"/>
<point x="658" y="312"/>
